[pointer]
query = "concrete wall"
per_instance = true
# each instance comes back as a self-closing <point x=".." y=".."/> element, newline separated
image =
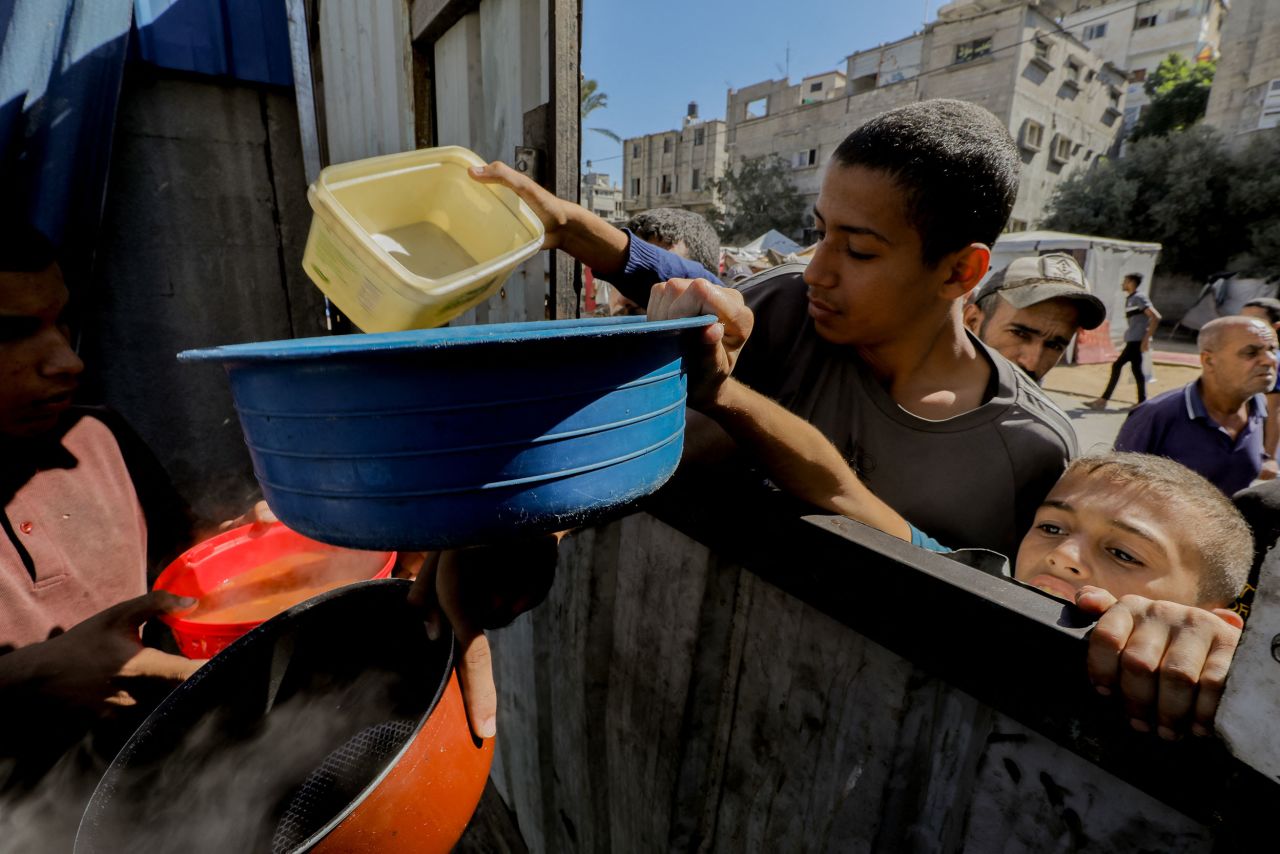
<point x="1250" y="61"/>
<point x="203" y="231"/>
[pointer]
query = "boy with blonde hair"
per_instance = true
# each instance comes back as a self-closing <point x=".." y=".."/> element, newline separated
<point x="1112" y="535"/>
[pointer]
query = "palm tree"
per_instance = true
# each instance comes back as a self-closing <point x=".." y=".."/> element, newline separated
<point x="591" y="100"/>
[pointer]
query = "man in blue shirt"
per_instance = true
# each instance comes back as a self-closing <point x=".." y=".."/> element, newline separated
<point x="1215" y="425"/>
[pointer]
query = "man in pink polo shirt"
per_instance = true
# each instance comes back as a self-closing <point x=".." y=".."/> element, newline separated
<point x="86" y="512"/>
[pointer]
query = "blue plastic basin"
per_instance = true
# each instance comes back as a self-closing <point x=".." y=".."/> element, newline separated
<point x="449" y="437"/>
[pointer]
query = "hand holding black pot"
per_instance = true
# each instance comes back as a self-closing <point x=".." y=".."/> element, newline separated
<point x="480" y="588"/>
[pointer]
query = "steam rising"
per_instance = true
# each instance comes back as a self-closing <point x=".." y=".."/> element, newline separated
<point x="228" y="783"/>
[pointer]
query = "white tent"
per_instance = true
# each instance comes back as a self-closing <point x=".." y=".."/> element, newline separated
<point x="1106" y="261"/>
<point x="771" y="239"/>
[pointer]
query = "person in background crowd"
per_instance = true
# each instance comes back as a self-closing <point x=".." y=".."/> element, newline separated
<point x="680" y="232"/>
<point x="1142" y="319"/>
<point x="1214" y="425"/>
<point x="1030" y="311"/>
<point x="1267" y="310"/>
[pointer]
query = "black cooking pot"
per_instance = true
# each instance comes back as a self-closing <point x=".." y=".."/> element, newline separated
<point x="336" y="726"/>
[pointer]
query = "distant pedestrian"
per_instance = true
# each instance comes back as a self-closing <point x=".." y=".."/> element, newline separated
<point x="1214" y="425"/>
<point x="1267" y="310"/>
<point x="1142" y="319"/>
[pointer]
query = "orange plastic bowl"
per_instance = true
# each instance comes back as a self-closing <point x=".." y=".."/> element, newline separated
<point x="209" y="564"/>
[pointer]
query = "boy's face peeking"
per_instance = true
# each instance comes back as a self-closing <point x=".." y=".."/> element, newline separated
<point x="867" y="280"/>
<point x="1114" y="535"/>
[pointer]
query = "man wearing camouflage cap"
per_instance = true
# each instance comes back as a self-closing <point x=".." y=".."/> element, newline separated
<point x="1030" y="311"/>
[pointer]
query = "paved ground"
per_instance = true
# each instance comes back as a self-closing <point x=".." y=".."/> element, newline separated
<point x="1071" y="386"/>
<point x="1096" y="431"/>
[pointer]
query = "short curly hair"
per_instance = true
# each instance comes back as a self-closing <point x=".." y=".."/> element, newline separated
<point x="1220" y="534"/>
<point x="669" y="226"/>
<point x="956" y="164"/>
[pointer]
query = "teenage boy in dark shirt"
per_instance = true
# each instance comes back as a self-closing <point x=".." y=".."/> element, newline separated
<point x="868" y="342"/>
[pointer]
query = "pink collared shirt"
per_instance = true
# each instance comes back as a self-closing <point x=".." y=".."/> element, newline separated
<point x="77" y="523"/>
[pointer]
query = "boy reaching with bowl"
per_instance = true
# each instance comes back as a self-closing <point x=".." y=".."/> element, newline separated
<point x="1110" y="535"/>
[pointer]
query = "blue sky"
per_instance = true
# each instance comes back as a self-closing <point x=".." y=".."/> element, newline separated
<point x="652" y="57"/>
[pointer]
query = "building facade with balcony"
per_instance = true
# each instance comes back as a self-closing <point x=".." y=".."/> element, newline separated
<point x="1137" y="38"/>
<point x="1245" y="99"/>
<point x="602" y="197"/>
<point x="1062" y="102"/>
<point x="675" y="168"/>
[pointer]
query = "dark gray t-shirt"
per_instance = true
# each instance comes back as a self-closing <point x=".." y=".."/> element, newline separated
<point x="974" y="480"/>
<point x="1135" y="312"/>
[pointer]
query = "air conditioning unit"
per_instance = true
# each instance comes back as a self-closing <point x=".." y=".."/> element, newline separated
<point x="1031" y="135"/>
<point x="1060" y="149"/>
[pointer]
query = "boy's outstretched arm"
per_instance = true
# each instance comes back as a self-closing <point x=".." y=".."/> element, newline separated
<point x="1167" y="662"/>
<point x="567" y="225"/>
<point x="630" y="265"/>
<point x="797" y="457"/>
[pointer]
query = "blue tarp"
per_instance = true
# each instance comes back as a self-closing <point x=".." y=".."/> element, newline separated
<point x="242" y="39"/>
<point x="61" y="66"/>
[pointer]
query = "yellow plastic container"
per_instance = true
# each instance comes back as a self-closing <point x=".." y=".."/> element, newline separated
<point x="410" y="241"/>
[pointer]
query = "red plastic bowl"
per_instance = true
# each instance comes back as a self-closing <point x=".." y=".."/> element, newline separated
<point x="206" y="565"/>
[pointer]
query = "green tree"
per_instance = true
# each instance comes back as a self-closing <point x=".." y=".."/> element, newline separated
<point x="757" y="196"/>
<point x="1255" y="202"/>
<point x="591" y="99"/>
<point x="1210" y="208"/>
<point x="1179" y="93"/>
